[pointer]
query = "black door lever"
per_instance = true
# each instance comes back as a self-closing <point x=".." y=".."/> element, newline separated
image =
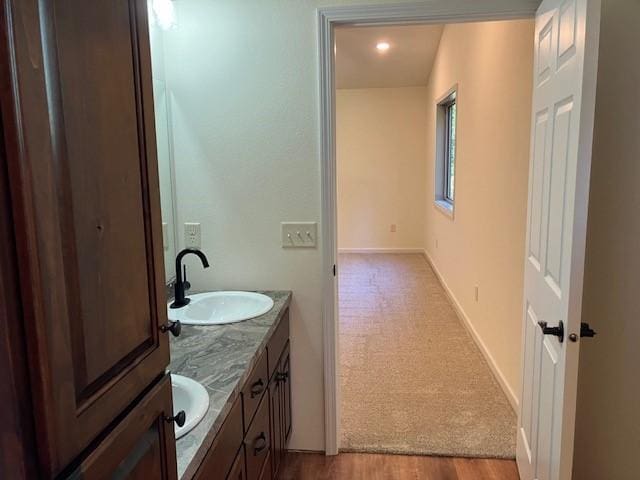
<point x="586" y="330"/>
<point x="555" y="331"/>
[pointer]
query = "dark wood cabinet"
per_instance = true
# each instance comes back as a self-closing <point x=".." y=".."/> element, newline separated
<point x="258" y="441"/>
<point x="238" y="471"/>
<point x="266" y="415"/>
<point x="141" y="447"/>
<point x="280" y="401"/>
<point x="78" y="115"/>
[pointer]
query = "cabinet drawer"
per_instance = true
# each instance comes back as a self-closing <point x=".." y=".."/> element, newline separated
<point x="257" y="441"/>
<point x="238" y="471"/>
<point x="277" y="343"/>
<point x="254" y="389"/>
<point x="221" y="456"/>
<point x="141" y="446"/>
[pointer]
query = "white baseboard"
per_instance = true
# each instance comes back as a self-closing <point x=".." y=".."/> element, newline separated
<point x="497" y="373"/>
<point x="381" y="250"/>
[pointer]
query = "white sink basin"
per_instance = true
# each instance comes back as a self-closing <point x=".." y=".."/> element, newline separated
<point x="190" y="396"/>
<point x="217" y="308"/>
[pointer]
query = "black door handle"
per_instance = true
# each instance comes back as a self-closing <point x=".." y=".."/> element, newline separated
<point x="259" y="444"/>
<point x="174" y="327"/>
<point x="586" y="330"/>
<point x="178" y="418"/>
<point x="555" y="331"/>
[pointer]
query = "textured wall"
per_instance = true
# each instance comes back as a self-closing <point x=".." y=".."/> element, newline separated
<point x="381" y="153"/>
<point x="607" y="440"/>
<point x="484" y="243"/>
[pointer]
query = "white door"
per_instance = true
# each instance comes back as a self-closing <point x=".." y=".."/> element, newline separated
<point x="564" y="78"/>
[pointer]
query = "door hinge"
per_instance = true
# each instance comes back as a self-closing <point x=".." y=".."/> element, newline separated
<point x="334" y="269"/>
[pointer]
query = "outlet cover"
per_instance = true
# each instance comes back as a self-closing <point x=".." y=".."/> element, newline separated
<point x="299" y="234"/>
<point x="192" y="235"/>
<point x="393" y="227"/>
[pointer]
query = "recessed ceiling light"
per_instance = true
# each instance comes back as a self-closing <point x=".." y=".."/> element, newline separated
<point x="382" y="46"/>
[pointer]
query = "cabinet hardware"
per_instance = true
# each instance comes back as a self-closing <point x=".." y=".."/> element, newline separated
<point x="282" y="377"/>
<point x="555" y="331"/>
<point x="259" y="444"/>
<point x="257" y="388"/>
<point x="179" y="418"/>
<point x="174" y="327"/>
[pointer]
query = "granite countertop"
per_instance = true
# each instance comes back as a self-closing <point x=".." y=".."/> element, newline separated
<point x="221" y="358"/>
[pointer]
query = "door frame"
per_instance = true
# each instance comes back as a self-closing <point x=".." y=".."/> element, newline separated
<point x="435" y="11"/>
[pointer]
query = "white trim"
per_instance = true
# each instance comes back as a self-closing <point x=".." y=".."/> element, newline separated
<point x="435" y="11"/>
<point x="445" y="207"/>
<point x="497" y="373"/>
<point x="381" y="250"/>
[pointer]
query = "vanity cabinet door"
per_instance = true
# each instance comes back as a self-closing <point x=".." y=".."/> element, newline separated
<point x="286" y="395"/>
<point x="275" y="407"/>
<point x="238" y="471"/>
<point x="142" y="446"/>
<point x="87" y="211"/>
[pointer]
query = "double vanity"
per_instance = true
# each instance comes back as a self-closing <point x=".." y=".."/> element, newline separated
<point x="230" y="376"/>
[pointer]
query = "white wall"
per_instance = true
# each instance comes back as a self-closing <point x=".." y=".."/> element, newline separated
<point x="607" y="440"/>
<point x="244" y="78"/>
<point x="483" y="244"/>
<point x="381" y="152"/>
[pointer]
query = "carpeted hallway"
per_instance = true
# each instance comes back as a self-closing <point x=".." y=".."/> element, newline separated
<point x="413" y="381"/>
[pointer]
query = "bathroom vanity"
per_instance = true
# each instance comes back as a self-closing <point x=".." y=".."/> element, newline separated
<point x="245" y="368"/>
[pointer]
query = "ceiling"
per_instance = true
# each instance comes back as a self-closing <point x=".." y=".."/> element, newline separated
<point x="407" y="63"/>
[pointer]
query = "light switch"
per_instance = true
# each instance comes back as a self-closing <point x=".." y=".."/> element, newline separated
<point x="299" y="234"/>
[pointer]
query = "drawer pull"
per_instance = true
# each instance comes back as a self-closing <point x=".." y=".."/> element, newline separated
<point x="179" y="418"/>
<point x="259" y="444"/>
<point x="282" y="377"/>
<point x="257" y="388"/>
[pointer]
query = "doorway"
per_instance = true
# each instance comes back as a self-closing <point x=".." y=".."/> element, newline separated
<point x="420" y="188"/>
<point x="566" y="36"/>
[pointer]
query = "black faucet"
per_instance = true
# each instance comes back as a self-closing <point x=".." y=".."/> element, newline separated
<point x="181" y="283"/>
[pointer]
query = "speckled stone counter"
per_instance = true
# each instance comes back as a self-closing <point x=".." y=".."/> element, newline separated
<point x="220" y="358"/>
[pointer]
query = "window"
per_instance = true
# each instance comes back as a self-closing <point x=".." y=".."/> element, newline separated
<point x="446" y="151"/>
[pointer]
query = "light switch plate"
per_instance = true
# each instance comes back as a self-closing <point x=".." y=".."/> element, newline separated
<point x="299" y="234"/>
<point x="165" y="235"/>
<point x="192" y="235"/>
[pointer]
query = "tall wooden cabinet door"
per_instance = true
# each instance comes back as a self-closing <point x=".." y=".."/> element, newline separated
<point x="141" y="447"/>
<point x="87" y="209"/>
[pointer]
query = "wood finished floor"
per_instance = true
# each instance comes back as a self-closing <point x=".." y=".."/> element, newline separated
<point x="364" y="466"/>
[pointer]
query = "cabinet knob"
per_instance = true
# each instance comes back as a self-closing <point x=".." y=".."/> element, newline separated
<point x="282" y="376"/>
<point x="174" y="327"/>
<point x="259" y="444"/>
<point x="178" y="418"/>
<point x="257" y="388"/>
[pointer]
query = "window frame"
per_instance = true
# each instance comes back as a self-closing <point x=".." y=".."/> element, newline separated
<point x="444" y="195"/>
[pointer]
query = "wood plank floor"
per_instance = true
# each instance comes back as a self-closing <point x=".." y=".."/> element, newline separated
<point x="363" y="466"/>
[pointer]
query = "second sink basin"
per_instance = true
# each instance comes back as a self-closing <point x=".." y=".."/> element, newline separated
<point x="217" y="308"/>
<point x="190" y="397"/>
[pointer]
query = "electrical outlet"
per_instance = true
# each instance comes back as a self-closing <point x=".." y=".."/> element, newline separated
<point x="192" y="235"/>
<point x="299" y="234"/>
<point x="393" y="227"/>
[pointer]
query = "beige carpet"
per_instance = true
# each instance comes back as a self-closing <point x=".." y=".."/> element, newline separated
<point x="413" y="381"/>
